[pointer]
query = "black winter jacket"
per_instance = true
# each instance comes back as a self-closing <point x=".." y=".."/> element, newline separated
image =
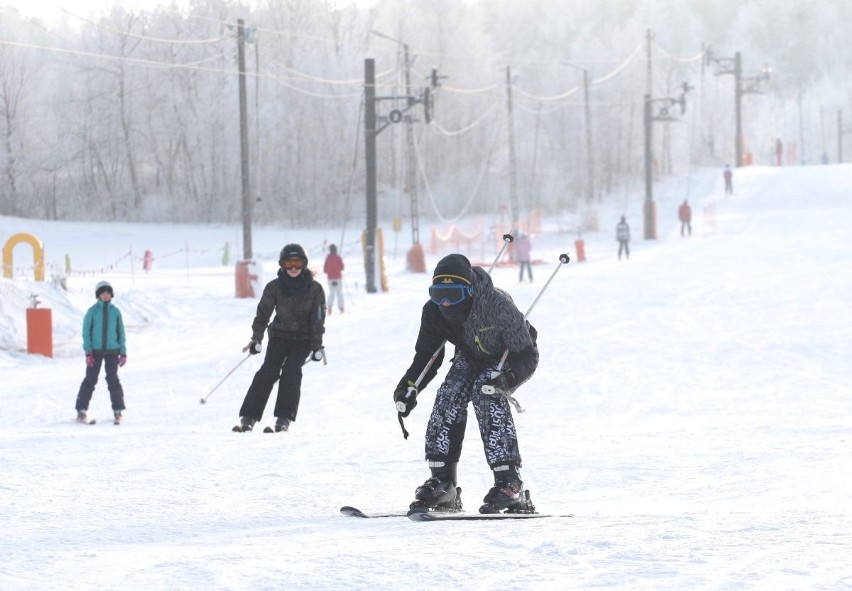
<point x="494" y="324"/>
<point x="299" y="306"/>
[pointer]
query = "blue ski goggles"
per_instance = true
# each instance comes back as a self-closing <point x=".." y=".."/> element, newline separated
<point x="449" y="294"/>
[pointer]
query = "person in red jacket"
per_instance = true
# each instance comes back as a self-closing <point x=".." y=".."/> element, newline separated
<point x="684" y="214"/>
<point x="333" y="269"/>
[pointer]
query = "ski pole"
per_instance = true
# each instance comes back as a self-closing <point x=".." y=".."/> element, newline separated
<point x="412" y="390"/>
<point x="490" y="390"/>
<point x="204" y="400"/>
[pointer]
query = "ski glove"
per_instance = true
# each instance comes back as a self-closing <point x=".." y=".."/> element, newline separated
<point x="122" y="359"/>
<point x="405" y="398"/>
<point x="318" y="354"/>
<point x="500" y="380"/>
<point x="253" y="347"/>
<point x="90" y="360"/>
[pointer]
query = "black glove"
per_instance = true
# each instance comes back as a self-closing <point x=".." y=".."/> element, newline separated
<point x="318" y="354"/>
<point x="405" y="398"/>
<point x="500" y="380"/>
<point x="253" y="347"/>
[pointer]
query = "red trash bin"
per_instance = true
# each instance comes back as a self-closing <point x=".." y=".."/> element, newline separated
<point x="40" y="331"/>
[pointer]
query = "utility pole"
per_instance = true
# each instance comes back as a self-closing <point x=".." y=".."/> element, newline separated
<point x="742" y="86"/>
<point x="244" y="142"/>
<point x="370" y="133"/>
<point x="372" y="129"/>
<point x="664" y="114"/>
<point x="841" y="131"/>
<point x="411" y="168"/>
<point x="590" y="161"/>
<point x="513" y="171"/>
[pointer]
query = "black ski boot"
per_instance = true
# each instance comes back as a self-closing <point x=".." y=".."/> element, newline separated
<point x="282" y="424"/>
<point x="246" y="424"/>
<point x="507" y="492"/>
<point x="439" y="492"/>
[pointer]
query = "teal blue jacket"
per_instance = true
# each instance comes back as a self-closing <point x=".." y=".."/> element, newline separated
<point x="103" y="330"/>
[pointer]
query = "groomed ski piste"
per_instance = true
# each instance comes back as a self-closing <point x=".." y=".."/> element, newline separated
<point x="691" y="410"/>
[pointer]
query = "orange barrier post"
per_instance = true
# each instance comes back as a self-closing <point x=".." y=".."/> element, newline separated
<point x="39" y="331"/>
<point x="246" y="276"/>
<point x="580" y="247"/>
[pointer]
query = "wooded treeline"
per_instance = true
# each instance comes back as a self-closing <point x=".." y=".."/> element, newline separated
<point x="135" y="116"/>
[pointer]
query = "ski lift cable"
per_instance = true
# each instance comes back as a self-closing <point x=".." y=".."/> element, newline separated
<point x="469" y="202"/>
<point x="449" y="133"/>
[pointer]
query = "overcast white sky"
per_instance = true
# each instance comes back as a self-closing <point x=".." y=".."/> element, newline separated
<point x="51" y="10"/>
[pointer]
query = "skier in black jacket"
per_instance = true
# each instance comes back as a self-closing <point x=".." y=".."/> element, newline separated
<point x="482" y="322"/>
<point x="295" y="334"/>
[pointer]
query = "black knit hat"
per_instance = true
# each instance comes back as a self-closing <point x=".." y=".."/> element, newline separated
<point x="293" y="251"/>
<point x="102" y="287"/>
<point x="455" y="267"/>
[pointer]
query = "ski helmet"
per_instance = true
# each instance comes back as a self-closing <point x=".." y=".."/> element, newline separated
<point x="102" y="287"/>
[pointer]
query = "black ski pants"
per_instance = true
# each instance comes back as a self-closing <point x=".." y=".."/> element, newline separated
<point x="116" y="392"/>
<point x="283" y="363"/>
<point x="445" y="431"/>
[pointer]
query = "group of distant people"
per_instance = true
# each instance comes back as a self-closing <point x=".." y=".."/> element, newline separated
<point x="684" y="215"/>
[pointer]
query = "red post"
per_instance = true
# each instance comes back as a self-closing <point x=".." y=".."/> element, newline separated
<point x="39" y="331"/>
<point x="580" y="248"/>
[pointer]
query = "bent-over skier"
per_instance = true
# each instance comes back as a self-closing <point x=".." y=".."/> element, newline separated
<point x="482" y="321"/>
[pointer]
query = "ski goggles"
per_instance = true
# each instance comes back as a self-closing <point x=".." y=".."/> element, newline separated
<point x="293" y="264"/>
<point x="449" y="294"/>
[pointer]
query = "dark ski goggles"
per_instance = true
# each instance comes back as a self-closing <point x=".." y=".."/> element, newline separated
<point x="293" y="264"/>
<point x="449" y="294"/>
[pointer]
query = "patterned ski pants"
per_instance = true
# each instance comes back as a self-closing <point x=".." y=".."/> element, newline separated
<point x="445" y="431"/>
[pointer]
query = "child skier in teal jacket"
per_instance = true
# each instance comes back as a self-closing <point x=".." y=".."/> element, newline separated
<point x="103" y="342"/>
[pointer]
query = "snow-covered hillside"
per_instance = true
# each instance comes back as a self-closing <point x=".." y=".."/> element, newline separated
<point x="691" y="408"/>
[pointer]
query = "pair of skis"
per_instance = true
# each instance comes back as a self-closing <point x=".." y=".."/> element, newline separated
<point x="427" y="515"/>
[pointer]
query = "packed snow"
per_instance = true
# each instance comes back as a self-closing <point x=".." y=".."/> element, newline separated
<point x="692" y="409"/>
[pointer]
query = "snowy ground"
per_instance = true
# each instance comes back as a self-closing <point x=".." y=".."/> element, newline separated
<point x="692" y="408"/>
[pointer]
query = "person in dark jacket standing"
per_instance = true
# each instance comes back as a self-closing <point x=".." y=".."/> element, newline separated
<point x="466" y="310"/>
<point x="104" y="343"/>
<point x="333" y="268"/>
<point x="622" y="235"/>
<point x="295" y="334"/>
<point x="728" y="175"/>
<point x="684" y="214"/>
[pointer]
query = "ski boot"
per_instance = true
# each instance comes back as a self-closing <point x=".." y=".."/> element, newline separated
<point x="246" y="424"/>
<point x="439" y="492"/>
<point x="506" y="494"/>
<point x="82" y="417"/>
<point x="117" y="417"/>
<point x="282" y="424"/>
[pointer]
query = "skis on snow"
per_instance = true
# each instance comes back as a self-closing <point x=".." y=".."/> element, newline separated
<point x="353" y="512"/>
<point x="427" y="515"/>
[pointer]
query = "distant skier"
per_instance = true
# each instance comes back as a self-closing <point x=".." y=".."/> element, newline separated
<point x="622" y="235"/>
<point x="466" y="310"/>
<point x="728" y="175"/>
<point x="104" y="343"/>
<point x="295" y="335"/>
<point x="684" y="214"/>
<point x="523" y="247"/>
<point x="333" y="269"/>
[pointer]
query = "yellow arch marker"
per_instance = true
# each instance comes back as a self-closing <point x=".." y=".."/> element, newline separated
<point x="38" y="254"/>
